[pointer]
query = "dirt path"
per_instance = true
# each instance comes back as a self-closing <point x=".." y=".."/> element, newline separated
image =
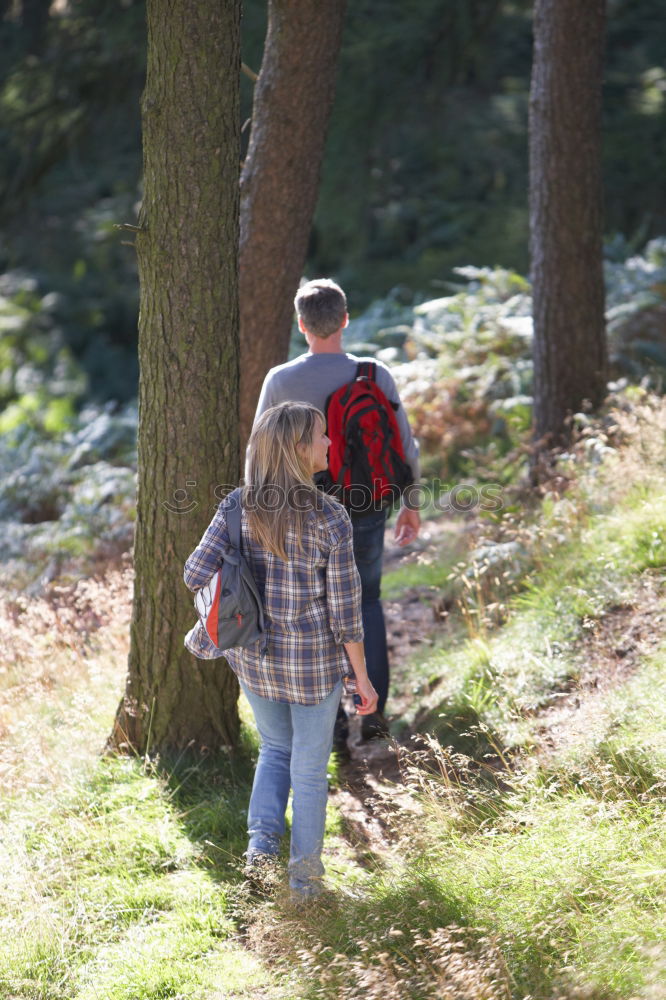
<point x="372" y="790"/>
<point x="611" y="653"/>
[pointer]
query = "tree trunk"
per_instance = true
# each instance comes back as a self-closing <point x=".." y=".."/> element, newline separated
<point x="280" y="179"/>
<point x="188" y="355"/>
<point x="570" y="356"/>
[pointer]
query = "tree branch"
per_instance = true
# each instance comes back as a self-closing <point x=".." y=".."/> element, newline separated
<point x="249" y="72"/>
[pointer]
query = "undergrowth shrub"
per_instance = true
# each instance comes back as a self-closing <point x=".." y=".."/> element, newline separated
<point x="636" y="311"/>
<point x="471" y="404"/>
<point x="41" y="384"/>
<point x="67" y="504"/>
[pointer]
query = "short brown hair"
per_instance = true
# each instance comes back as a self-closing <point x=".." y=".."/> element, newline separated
<point x="322" y="306"/>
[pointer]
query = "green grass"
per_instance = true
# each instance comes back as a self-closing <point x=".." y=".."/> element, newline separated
<point x="115" y="888"/>
<point x="546" y="881"/>
<point x="565" y="885"/>
<point x="569" y="866"/>
<point x="499" y="676"/>
<point x="121" y="878"/>
<point x="511" y="870"/>
<point x="426" y="576"/>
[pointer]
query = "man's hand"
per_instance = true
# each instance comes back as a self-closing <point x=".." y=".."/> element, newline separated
<point x="407" y="525"/>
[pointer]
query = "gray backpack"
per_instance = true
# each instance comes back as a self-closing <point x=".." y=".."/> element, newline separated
<point x="229" y="606"/>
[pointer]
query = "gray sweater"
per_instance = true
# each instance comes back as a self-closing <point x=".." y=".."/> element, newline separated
<point x="311" y="378"/>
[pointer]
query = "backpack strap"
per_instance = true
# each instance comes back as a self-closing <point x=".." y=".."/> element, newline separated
<point x="233" y="516"/>
<point x="366" y="369"/>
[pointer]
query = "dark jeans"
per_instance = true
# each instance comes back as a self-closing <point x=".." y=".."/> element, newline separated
<point x="368" y="553"/>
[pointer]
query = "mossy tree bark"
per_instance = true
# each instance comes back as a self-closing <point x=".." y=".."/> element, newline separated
<point x="280" y="178"/>
<point x="570" y="356"/>
<point x="187" y="249"/>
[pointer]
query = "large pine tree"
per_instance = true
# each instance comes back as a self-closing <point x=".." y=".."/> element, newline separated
<point x="566" y="213"/>
<point x="188" y="351"/>
<point x="280" y="180"/>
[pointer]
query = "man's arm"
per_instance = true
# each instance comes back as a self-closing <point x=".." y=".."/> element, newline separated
<point x="266" y="399"/>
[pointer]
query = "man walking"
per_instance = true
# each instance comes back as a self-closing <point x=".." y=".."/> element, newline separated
<point x="321" y="307"/>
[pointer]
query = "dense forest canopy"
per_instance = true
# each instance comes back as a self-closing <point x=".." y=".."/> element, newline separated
<point x="425" y="165"/>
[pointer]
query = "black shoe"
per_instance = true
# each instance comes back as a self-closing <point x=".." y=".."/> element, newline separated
<point x="374" y="727"/>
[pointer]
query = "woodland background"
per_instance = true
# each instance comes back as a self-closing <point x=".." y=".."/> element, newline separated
<point x="509" y="843"/>
<point x="425" y="167"/>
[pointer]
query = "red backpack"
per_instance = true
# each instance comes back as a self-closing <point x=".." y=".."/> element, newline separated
<point x="366" y="460"/>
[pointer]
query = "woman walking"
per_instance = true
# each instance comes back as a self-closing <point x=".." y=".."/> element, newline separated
<point x="298" y="544"/>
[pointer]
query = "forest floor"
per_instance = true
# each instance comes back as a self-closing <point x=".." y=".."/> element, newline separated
<point x="508" y="841"/>
<point x="608" y="656"/>
<point x="371" y="778"/>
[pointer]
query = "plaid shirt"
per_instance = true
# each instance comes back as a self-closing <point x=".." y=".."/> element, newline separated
<point x="312" y="604"/>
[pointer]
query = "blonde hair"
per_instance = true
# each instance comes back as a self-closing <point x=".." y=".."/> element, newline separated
<point x="279" y="492"/>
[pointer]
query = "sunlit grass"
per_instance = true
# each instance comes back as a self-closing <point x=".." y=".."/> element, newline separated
<point x="509" y="869"/>
<point x="518" y="872"/>
<point x="498" y="675"/>
<point x="120" y="877"/>
<point x="426" y="576"/>
<point x="543" y="881"/>
<point x="122" y="888"/>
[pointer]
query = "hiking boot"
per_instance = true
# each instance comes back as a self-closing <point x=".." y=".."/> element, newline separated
<point x="374" y="727"/>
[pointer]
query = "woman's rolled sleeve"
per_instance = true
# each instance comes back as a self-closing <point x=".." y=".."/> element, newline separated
<point x="207" y="556"/>
<point x="343" y="589"/>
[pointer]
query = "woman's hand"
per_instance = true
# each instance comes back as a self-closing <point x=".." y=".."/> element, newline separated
<point x="368" y="696"/>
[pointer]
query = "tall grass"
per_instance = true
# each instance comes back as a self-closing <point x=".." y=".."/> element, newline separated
<point x="120" y="876"/>
<point x="510" y="868"/>
<point x="589" y="549"/>
<point x="543" y="881"/>
<point x="519" y="870"/>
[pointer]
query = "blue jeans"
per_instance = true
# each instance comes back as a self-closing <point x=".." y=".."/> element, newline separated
<point x="368" y="553"/>
<point x="296" y="743"/>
